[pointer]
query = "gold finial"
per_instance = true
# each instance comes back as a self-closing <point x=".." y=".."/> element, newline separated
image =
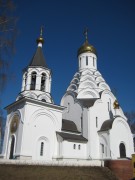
<point x="40" y="39"/>
<point x="116" y="105"/>
<point x="86" y="34"/>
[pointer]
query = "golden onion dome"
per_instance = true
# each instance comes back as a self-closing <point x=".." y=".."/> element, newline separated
<point x="86" y="47"/>
<point x="40" y="39"/>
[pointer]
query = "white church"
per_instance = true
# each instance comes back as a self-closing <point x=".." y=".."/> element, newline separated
<point x="88" y="124"/>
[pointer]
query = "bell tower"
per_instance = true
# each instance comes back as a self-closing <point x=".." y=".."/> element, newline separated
<point x="36" y="81"/>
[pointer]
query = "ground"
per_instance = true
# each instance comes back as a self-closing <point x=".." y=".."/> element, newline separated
<point x="35" y="172"/>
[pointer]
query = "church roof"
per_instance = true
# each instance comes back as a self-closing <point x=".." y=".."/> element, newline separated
<point x="38" y="58"/>
<point x="107" y="125"/>
<point x="70" y="137"/>
<point x="69" y="126"/>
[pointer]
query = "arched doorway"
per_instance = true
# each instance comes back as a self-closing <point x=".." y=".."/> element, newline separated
<point x="12" y="147"/>
<point x="122" y="150"/>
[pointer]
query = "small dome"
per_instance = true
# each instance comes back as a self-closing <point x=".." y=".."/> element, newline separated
<point x="86" y="47"/>
<point x="40" y="40"/>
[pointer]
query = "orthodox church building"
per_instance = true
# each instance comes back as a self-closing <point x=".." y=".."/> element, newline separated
<point x="88" y="124"/>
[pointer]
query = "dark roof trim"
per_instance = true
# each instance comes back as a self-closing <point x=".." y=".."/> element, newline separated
<point x="107" y="125"/>
<point x="72" y="137"/>
<point x="68" y="125"/>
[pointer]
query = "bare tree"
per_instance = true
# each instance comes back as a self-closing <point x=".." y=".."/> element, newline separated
<point x="7" y="40"/>
<point x="131" y="120"/>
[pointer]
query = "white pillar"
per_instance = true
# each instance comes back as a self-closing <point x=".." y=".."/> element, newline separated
<point x="38" y="82"/>
<point x="28" y="82"/>
<point x="23" y="83"/>
<point x="47" y="85"/>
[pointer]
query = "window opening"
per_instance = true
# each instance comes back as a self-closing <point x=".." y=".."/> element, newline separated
<point x="108" y="106"/>
<point x="68" y="107"/>
<point x="86" y="60"/>
<point x="102" y="145"/>
<point x="79" y="146"/>
<point x="96" y="121"/>
<point x="43" y="78"/>
<point x="12" y="147"/>
<point x="25" y="78"/>
<point x="74" y="146"/>
<point x="33" y="81"/>
<point x="42" y="149"/>
<point x="93" y="61"/>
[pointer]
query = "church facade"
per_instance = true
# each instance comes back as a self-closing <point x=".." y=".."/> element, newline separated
<point x="88" y="124"/>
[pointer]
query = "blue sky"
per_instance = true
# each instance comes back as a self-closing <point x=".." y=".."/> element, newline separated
<point x="111" y="25"/>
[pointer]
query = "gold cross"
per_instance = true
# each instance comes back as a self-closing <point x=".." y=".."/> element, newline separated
<point x="86" y="34"/>
<point x="41" y="31"/>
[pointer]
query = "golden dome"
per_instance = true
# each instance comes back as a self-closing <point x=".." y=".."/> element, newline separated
<point x="86" y="47"/>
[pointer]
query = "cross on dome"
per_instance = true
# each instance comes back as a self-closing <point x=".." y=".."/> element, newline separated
<point x="86" y="33"/>
<point x="40" y="40"/>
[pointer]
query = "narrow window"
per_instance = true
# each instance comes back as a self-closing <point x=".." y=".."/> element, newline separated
<point x="43" y="82"/>
<point x="80" y="61"/>
<point x="74" y="146"/>
<point x="102" y="148"/>
<point x="93" y="61"/>
<point x="106" y="150"/>
<point x="33" y="81"/>
<point x="79" y="146"/>
<point x="42" y="149"/>
<point x="25" y="80"/>
<point x="96" y="121"/>
<point x="108" y="106"/>
<point x="86" y="60"/>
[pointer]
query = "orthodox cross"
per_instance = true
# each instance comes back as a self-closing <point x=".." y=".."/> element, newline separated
<point x="86" y="34"/>
<point x="41" y="31"/>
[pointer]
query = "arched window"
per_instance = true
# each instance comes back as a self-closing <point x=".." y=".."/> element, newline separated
<point x="12" y="147"/>
<point x="122" y="150"/>
<point x="74" y="146"/>
<point x="43" y="100"/>
<point x="43" y="78"/>
<point x="79" y="146"/>
<point x="33" y="81"/>
<point x="42" y="149"/>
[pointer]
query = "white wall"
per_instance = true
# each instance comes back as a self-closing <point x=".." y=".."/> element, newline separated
<point x="120" y="133"/>
<point x="68" y="150"/>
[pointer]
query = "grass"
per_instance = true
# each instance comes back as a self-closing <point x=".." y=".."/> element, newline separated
<point x="31" y="172"/>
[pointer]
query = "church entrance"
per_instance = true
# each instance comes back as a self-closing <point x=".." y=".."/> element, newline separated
<point x="12" y="147"/>
<point x="122" y="150"/>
